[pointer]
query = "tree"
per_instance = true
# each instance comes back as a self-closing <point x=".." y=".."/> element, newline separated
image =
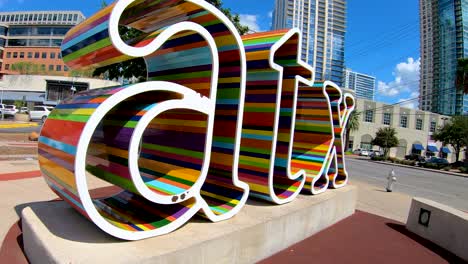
<point x="386" y="139"/>
<point x="25" y="68"/>
<point x="454" y="133"/>
<point x="235" y="19"/>
<point x="352" y="125"/>
<point x="461" y="79"/>
<point x="136" y="68"/>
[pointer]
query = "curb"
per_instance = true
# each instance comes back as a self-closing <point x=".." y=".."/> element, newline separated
<point x="420" y="168"/>
<point x="6" y="126"/>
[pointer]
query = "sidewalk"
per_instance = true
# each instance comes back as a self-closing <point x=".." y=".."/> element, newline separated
<point x="5" y="124"/>
<point x="360" y="238"/>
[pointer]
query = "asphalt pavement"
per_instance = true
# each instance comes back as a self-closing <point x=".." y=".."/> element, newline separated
<point x="446" y="189"/>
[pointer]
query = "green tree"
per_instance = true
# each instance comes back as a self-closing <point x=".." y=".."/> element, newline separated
<point x="386" y="139"/>
<point x="136" y="68"/>
<point x="454" y="133"/>
<point x="352" y="125"/>
<point x="461" y="79"/>
<point x="26" y="68"/>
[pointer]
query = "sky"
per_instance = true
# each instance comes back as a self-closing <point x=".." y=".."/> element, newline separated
<point x="382" y="37"/>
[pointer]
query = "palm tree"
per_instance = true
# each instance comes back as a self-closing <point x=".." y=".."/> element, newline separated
<point x="386" y="139"/>
<point x="461" y="80"/>
<point x="352" y="125"/>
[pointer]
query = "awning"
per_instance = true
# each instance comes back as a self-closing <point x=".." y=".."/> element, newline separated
<point x="445" y="150"/>
<point x="418" y="147"/>
<point x="432" y="148"/>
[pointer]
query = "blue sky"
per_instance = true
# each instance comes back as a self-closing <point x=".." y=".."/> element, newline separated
<point x="382" y="37"/>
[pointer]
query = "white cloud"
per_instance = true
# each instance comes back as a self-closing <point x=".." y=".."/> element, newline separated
<point x="413" y="104"/>
<point x="250" y="21"/>
<point x="270" y="14"/>
<point x="406" y="79"/>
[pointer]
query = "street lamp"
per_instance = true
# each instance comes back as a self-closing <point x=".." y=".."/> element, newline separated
<point x="1" y="102"/>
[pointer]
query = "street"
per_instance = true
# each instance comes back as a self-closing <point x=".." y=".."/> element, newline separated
<point x="446" y="189"/>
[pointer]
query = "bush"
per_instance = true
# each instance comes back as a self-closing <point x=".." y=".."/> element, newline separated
<point x="392" y="160"/>
<point x="463" y="169"/>
<point x="409" y="162"/>
<point x="377" y="158"/>
<point x="447" y="168"/>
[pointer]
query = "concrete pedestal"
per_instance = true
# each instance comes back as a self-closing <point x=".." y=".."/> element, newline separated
<point x="258" y="231"/>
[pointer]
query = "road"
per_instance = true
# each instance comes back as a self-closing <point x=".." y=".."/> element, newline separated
<point x="446" y="189"/>
<point x="21" y="129"/>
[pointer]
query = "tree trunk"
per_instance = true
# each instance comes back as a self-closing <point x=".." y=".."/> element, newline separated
<point x="457" y="154"/>
<point x="347" y="139"/>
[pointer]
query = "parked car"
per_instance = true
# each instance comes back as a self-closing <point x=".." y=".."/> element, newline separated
<point x="24" y="109"/>
<point x="434" y="162"/>
<point x="9" y="110"/>
<point x="415" y="157"/>
<point x="361" y="152"/>
<point x="40" y="112"/>
<point x="375" y="153"/>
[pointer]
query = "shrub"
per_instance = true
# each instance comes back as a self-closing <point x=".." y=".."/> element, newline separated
<point x="463" y="169"/>
<point x="377" y="158"/>
<point x="392" y="160"/>
<point x="447" y="168"/>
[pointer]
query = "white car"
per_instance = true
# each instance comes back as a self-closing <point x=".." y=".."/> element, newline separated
<point x="361" y="152"/>
<point x="40" y="112"/>
<point x="9" y="110"/>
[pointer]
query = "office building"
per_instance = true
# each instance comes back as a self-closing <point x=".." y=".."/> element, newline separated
<point x="444" y="40"/>
<point x="30" y="41"/>
<point x="323" y="25"/>
<point x="414" y="130"/>
<point x="363" y="85"/>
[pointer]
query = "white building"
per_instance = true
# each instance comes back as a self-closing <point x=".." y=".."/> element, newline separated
<point x="363" y="85"/>
<point x="414" y="130"/>
<point x="41" y="89"/>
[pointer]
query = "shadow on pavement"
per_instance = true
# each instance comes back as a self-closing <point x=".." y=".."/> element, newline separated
<point x="443" y="253"/>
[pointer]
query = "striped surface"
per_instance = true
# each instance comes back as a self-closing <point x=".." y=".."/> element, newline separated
<point x="268" y="115"/>
<point x="286" y="131"/>
<point x="172" y="148"/>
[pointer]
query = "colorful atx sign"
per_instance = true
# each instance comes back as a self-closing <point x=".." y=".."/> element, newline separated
<point x="220" y="117"/>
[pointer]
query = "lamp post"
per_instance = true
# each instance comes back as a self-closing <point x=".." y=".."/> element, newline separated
<point x="1" y="102"/>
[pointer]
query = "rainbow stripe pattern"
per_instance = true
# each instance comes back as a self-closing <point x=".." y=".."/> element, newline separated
<point x="220" y="117"/>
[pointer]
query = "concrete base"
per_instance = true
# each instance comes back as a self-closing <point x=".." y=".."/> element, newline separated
<point x="54" y="233"/>
<point x="442" y="224"/>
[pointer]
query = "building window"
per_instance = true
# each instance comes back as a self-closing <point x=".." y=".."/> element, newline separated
<point x="42" y="67"/>
<point x="30" y="55"/>
<point x="36" y="55"/>
<point x="8" y="54"/>
<point x="51" y="67"/>
<point x="58" y="67"/>
<point x="387" y="118"/>
<point x="433" y="126"/>
<point x="52" y="55"/>
<point x="44" y="55"/>
<point x="21" y="55"/>
<point x="419" y="124"/>
<point x="15" y="55"/>
<point x="7" y="67"/>
<point x="65" y="68"/>
<point x="404" y="121"/>
<point x="369" y="117"/>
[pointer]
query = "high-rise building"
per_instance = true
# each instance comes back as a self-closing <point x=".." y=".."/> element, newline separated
<point x="323" y="25"/>
<point x="444" y="40"/>
<point x="30" y="41"/>
<point x="363" y="85"/>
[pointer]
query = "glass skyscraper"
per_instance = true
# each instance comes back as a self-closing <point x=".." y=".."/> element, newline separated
<point x="444" y="40"/>
<point x="323" y="25"/>
<point x="363" y="85"/>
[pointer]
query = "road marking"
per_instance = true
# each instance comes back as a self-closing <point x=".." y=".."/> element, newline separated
<point x="411" y="186"/>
